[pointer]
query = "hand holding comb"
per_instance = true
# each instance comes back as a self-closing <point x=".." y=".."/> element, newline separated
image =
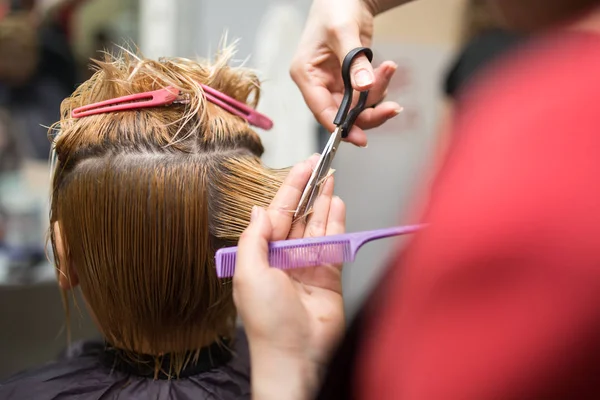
<point x="312" y="252"/>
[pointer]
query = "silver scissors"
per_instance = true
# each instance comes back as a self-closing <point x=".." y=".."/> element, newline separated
<point x="344" y="120"/>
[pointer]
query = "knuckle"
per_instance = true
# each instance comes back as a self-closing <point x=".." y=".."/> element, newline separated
<point x="310" y="232"/>
<point x="339" y="27"/>
<point x="246" y="235"/>
<point x="276" y="212"/>
<point x="358" y="65"/>
<point x="300" y="168"/>
<point x="295" y="71"/>
<point x="315" y="229"/>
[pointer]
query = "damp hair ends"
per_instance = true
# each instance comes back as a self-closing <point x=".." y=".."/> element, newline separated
<point x="144" y="198"/>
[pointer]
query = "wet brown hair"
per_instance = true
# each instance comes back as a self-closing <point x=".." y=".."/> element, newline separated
<point x="144" y="198"/>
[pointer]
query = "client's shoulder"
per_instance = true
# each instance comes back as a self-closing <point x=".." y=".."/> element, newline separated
<point x="82" y="372"/>
<point x="52" y="379"/>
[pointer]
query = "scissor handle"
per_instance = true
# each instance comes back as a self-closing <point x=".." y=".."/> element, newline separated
<point x="345" y="117"/>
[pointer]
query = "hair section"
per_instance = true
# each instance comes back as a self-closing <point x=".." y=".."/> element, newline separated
<point x="144" y="198"/>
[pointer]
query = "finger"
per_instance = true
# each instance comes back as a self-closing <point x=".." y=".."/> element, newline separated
<point x="383" y="75"/>
<point x="317" y="222"/>
<point x="322" y="104"/>
<point x="336" y="220"/>
<point x="319" y="212"/>
<point x="373" y="117"/>
<point x="357" y="137"/>
<point x="316" y="94"/>
<point x="361" y="70"/>
<point x="253" y="246"/>
<point x="369" y="119"/>
<point x="362" y="74"/>
<point x="285" y="202"/>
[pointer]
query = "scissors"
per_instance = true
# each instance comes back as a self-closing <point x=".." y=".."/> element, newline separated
<point x="344" y="120"/>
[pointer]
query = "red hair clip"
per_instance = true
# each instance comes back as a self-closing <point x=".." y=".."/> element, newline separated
<point x="170" y="95"/>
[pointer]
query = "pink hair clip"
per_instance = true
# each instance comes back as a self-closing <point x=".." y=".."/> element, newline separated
<point x="170" y="95"/>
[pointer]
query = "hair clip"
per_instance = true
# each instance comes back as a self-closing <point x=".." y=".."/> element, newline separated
<point x="238" y="108"/>
<point x="171" y="95"/>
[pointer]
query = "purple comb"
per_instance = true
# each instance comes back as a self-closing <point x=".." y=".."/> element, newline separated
<point x="311" y="252"/>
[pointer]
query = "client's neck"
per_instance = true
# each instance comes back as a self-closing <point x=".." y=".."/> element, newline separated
<point x="176" y="344"/>
<point x="169" y="365"/>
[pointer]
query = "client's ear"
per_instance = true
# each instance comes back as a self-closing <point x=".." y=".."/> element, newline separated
<point x="66" y="274"/>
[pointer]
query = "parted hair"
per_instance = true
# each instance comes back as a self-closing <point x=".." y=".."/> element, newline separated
<point x="144" y="198"/>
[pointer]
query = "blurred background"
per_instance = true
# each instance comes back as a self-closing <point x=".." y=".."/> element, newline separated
<point x="45" y="47"/>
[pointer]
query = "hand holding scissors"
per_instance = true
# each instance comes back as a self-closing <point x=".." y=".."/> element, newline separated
<point x="344" y="120"/>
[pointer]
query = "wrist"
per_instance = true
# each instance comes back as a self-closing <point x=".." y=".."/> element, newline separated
<point x="277" y="374"/>
<point x="376" y="7"/>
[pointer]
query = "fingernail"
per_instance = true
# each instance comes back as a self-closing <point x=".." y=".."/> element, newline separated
<point x="365" y="146"/>
<point x="363" y="78"/>
<point x="396" y="112"/>
<point x="390" y="71"/>
<point x="255" y="214"/>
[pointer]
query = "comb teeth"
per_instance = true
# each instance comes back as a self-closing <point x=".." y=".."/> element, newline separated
<point x="291" y="256"/>
<point x="225" y="262"/>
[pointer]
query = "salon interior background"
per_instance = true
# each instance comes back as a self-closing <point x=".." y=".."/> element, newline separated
<point x="373" y="181"/>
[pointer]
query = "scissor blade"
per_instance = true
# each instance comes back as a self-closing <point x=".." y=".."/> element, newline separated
<point x="330" y="151"/>
<point x="321" y="170"/>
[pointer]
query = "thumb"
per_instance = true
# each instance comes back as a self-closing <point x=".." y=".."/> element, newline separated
<point x="361" y="70"/>
<point x="253" y="246"/>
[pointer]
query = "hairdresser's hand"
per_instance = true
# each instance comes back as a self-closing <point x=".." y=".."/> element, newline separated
<point x="292" y="319"/>
<point x="335" y="27"/>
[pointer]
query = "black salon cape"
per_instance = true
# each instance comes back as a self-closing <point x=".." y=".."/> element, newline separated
<point x="90" y="372"/>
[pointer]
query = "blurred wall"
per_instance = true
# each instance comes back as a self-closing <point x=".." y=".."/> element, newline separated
<point x="33" y="326"/>
<point x="119" y="17"/>
<point x="433" y="22"/>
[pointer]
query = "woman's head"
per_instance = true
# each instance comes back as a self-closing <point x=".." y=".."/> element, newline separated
<point x="141" y="199"/>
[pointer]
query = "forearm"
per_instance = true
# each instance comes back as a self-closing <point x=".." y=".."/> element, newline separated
<point x="379" y="6"/>
<point x="276" y="375"/>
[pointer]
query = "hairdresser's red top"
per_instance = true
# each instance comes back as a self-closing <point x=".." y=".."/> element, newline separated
<point x="500" y="297"/>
